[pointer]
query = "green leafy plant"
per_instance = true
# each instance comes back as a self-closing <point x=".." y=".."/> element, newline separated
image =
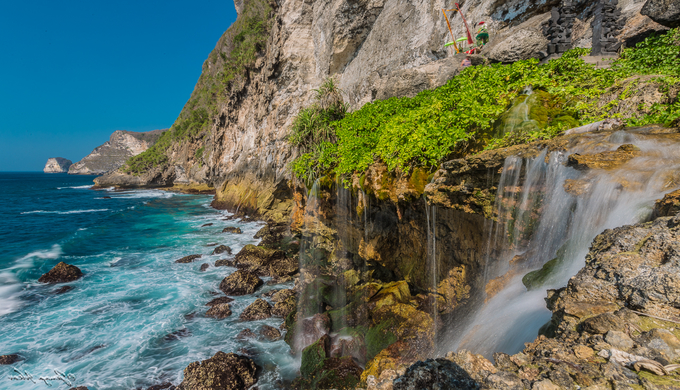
<point x="458" y="118"/>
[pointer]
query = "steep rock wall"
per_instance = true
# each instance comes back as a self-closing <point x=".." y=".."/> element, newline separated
<point x="375" y="49"/>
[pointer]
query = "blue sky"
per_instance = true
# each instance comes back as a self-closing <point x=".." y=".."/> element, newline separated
<point x="72" y="72"/>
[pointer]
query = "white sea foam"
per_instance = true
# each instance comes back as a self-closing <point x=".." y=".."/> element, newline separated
<point x="76" y="187"/>
<point x="52" y="253"/>
<point x="64" y="212"/>
<point x="144" y="194"/>
<point x="9" y="293"/>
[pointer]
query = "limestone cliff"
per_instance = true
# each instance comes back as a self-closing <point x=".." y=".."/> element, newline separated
<point x="57" y="165"/>
<point x="114" y="152"/>
<point x="231" y="134"/>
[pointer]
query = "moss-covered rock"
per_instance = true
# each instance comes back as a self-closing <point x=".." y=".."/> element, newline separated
<point x="313" y="357"/>
<point x="538" y="278"/>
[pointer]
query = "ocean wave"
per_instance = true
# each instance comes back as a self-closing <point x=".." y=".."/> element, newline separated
<point x="9" y="293"/>
<point x="52" y="253"/>
<point x="64" y="212"/>
<point x="144" y="194"/>
<point x="76" y="187"/>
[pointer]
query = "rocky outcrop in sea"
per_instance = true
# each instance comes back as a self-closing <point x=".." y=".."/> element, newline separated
<point x="57" y="165"/>
<point x="113" y="153"/>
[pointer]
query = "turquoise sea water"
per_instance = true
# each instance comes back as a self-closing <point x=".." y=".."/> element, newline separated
<point x="136" y="318"/>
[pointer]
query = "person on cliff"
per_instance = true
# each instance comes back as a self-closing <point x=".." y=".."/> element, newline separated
<point x="466" y="62"/>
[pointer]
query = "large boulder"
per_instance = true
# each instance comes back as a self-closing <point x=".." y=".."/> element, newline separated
<point x="266" y="262"/>
<point x="188" y="259"/>
<point x="221" y="249"/>
<point x="516" y="43"/>
<point x="61" y="273"/>
<point x="219" y="311"/>
<point x="240" y="283"/>
<point x="258" y="310"/>
<point x="665" y="12"/>
<point x="222" y="371"/>
<point x="435" y="374"/>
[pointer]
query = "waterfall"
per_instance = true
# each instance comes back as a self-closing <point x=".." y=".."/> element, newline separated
<point x="547" y="210"/>
<point x="518" y="115"/>
<point x="433" y="261"/>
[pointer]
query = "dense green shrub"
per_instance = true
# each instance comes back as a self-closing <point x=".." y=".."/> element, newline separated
<point x="458" y="118"/>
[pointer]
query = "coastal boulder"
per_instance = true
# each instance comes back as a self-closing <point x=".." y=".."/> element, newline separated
<point x="258" y="310"/>
<point x="219" y="311"/>
<point x="232" y="229"/>
<point x="61" y="273"/>
<point x="664" y="12"/>
<point x="221" y="249"/>
<point x="9" y="359"/>
<point x="188" y="259"/>
<point x="222" y="371"/>
<point x="225" y="263"/>
<point x="435" y="374"/>
<point x="219" y="300"/>
<point x="270" y="333"/>
<point x="265" y="262"/>
<point x="240" y="283"/>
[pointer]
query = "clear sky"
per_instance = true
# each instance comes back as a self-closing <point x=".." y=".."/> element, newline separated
<point x="74" y="71"/>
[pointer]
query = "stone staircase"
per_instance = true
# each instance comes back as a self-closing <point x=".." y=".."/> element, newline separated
<point x="600" y="62"/>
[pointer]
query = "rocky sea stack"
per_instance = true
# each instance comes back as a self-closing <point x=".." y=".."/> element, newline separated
<point x="57" y="165"/>
<point x="61" y="273"/>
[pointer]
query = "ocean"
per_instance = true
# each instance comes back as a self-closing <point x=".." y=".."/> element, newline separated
<point x="136" y="318"/>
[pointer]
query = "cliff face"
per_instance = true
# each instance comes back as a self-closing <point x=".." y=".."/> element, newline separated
<point x="114" y="152"/>
<point x="375" y="49"/>
<point x="57" y="165"/>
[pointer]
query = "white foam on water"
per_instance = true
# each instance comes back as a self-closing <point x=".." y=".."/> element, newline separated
<point x="65" y="212"/>
<point x="76" y="187"/>
<point x="9" y="293"/>
<point x="140" y="194"/>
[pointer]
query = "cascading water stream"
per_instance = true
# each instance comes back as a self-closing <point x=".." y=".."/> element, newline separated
<point x="547" y="210"/>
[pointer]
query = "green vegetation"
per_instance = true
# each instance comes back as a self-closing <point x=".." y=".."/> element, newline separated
<point x="313" y="133"/>
<point x="462" y="116"/>
<point x="225" y="70"/>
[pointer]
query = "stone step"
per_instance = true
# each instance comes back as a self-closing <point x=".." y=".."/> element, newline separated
<point x="600" y="62"/>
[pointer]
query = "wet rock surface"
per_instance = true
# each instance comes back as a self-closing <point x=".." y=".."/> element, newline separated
<point x="63" y="289"/>
<point x="162" y="386"/>
<point x="222" y="371"/>
<point x="240" y="283"/>
<point x="266" y="262"/>
<point x="219" y="300"/>
<point x="604" y="160"/>
<point x="61" y="273"/>
<point x="232" y="229"/>
<point x="270" y="333"/>
<point x="221" y="249"/>
<point x="225" y="263"/>
<point x="258" y="310"/>
<point x="614" y="324"/>
<point x="9" y="359"/>
<point x="188" y="259"/>
<point x="435" y="374"/>
<point x="219" y="311"/>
